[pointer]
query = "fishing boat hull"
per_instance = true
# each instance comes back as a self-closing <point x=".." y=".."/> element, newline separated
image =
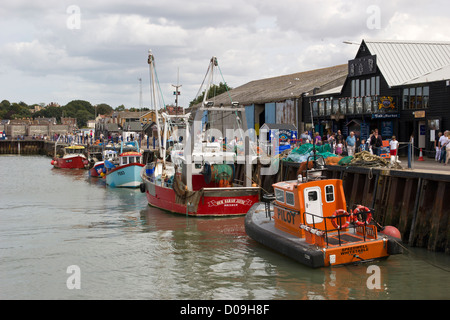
<point x="97" y="169"/>
<point x="70" y="162"/>
<point x="125" y="176"/>
<point x="207" y="202"/>
<point x="261" y="228"/>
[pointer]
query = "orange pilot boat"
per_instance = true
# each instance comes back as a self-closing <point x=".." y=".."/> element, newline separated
<point x="308" y="220"/>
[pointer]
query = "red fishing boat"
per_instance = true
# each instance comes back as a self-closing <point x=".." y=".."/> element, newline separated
<point x="73" y="157"/>
<point x="200" y="178"/>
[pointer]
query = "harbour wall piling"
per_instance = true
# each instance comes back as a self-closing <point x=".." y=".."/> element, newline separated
<point x="414" y="202"/>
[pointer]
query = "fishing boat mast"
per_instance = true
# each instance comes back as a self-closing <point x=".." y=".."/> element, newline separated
<point x="154" y="94"/>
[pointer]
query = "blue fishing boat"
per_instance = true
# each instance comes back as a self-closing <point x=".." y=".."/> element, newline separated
<point x="127" y="173"/>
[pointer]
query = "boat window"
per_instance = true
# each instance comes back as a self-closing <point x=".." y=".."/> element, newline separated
<point x="124" y="160"/>
<point x="290" y="200"/>
<point x="312" y="196"/>
<point x="329" y="193"/>
<point x="279" y="195"/>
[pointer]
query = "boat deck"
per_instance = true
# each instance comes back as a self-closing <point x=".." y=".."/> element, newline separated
<point x="261" y="228"/>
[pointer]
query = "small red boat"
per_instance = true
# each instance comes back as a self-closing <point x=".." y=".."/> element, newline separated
<point x="73" y="158"/>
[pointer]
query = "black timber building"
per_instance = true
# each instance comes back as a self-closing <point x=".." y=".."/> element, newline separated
<point x="401" y="88"/>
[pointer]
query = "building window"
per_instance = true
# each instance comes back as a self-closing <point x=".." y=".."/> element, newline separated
<point x="321" y="108"/>
<point x="335" y="106"/>
<point x="343" y="105"/>
<point x="368" y="104"/>
<point x="416" y="98"/>
<point x="328" y="107"/>
<point x="426" y="97"/>
<point x="315" y="108"/>
<point x="366" y="87"/>
<point x="359" y="105"/>
<point x="351" y="106"/>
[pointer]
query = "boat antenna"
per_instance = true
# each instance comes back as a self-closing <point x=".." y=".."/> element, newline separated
<point x="313" y="132"/>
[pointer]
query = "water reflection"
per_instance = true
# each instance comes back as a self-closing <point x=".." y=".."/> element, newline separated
<point x="53" y="218"/>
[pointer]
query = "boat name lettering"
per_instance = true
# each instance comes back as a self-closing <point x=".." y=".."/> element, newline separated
<point x="354" y="250"/>
<point x="369" y="231"/>
<point x="121" y="173"/>
<point x="229" y="202"/>
<point x="286" y="216"/>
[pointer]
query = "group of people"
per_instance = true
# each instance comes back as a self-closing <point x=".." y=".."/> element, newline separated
<point x="442" y="146"/>
<point x="351" y="144"/>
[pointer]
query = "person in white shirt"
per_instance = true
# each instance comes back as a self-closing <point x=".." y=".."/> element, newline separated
<point x="393" y="144"/>
<point x="442" y="145"/>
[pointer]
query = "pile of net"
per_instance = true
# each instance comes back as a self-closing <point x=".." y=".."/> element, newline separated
<point x="301" y="153"/>
<point x="364" y="159"/>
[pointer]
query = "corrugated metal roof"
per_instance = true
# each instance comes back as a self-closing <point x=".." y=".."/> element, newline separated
<point x="400" y="62"/>
<point x="441" y="74"/>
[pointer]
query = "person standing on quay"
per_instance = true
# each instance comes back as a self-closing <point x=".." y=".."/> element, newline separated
<point x="351" y="143"/>
<point x="393" y="145"/>
<point x="443" y="141"/>
<point x="437" y="148"/>
<point x="376" y="142"/>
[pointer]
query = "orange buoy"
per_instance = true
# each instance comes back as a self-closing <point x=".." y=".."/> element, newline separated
<point x="392" y="232"/>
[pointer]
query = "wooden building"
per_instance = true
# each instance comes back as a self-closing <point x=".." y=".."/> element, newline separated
<point x="401" y="88"/>
<point x="278" y="99"/>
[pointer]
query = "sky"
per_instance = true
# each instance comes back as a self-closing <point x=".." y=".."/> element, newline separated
<point x="59" y="50"/>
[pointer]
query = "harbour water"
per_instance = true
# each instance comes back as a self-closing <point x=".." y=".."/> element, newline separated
<point x="53" y="219"/>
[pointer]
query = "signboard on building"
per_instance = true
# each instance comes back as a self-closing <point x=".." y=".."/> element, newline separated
<point x="386" y="103"/>
<point x="362" y="66"/>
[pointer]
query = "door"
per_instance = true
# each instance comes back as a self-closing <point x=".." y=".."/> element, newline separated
<point x="313" y="205"/>
<point x="422" y="134"/>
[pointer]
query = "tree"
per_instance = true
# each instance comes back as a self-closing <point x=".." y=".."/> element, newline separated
<point x="82" y="117"/>
<point x="49" y="112"/>
<point x="120" y="108"/>
<point x="214" y="91"/>
<point x="104" y="108"/>
<point x="70" y="110"/>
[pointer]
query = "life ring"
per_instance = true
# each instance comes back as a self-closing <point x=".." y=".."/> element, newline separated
<point x="336" y="214"/>
<point x="358" y="211"/>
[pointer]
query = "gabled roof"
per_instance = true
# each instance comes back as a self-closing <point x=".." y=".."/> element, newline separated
<point x="401" y="62"/>
<point x="132" y="126"/>
<point x="284" y="87"/>
<point x="279" y="126"/>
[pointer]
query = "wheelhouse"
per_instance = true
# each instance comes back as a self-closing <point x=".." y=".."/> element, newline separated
<point x="74" y="150"/>
<point x="129" y="158"/>
<point x="307" y="204"/>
